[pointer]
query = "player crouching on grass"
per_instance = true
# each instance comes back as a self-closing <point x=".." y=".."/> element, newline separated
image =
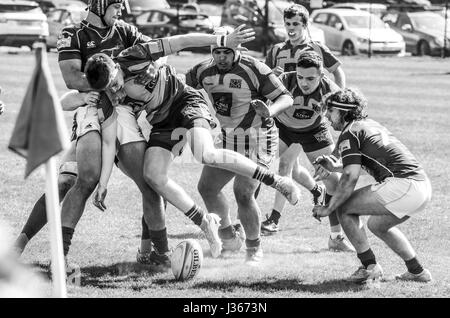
<point x="178" y="114"/>
<point x="402" y="187"/>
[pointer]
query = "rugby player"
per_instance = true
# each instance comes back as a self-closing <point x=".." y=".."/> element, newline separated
<point x="283" y="57"/>
<point x="233" y="81"/>
<point x="179" y="115"/>
<point x="304" y="126"/>
<point x="402" y="187"/>
<point x="81" y="165"/>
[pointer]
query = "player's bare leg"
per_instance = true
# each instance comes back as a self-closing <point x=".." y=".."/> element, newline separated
<point x="88" y="154"/>
<point x="38" y="216"/>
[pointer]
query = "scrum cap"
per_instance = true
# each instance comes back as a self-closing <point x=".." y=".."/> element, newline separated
<point x="99" y="6"/>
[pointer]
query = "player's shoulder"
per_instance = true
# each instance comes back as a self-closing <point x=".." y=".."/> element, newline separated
<point x="254" y="64"/>
<point x="71" y="30"/>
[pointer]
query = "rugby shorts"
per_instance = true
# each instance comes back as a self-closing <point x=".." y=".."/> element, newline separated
<point x="403" y="196"/>
<point x="87" y="119"/>
<point x="187" y="111"/>
<point x="316" y="139"/>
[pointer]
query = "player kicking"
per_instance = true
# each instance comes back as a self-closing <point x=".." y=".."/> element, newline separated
<point x="233" y="82"/>
<point x="283" y="57"/>
<point x="402" y="187"/>
<point x="179" y="115"/>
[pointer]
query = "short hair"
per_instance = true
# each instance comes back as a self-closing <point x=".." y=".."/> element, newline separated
<point x="351" y="99"/>
<point x="297" y="9"/>
<point x="98" y="70"/>
<point x="310" y="59"/>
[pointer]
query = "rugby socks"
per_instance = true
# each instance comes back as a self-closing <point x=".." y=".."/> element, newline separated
<point x="265" y="176"/>
<point x="367" y="258"/>
<point x="275" y="216"/>
<point x="227" y="233"/>
<point x="67" y="234"/>
<point x="37" y="219"/>
<point x="159" y="239"/>
<point x="414" y="266"/>
<point x="195" y="214"/>
<point x="253" y="243"/>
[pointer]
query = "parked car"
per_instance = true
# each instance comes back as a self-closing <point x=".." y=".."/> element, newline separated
<point x="60" y="18"/>
<point x="376" y="8"/>
<point x="423" y="31"/>
<point x="349" y="30"/>
<point x="167" y="22"/>
<point x="21" y="23"/>
<point x="251" y="13"/>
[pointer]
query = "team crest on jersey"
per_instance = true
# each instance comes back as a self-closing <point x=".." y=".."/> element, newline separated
<point x="344" y="145"/>
<point x="91" y="45"/>
<point x="63" y="42"/>
<point x="235" y="83"/>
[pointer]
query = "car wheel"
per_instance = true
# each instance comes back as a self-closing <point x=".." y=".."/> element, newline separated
<point x="423" y="48"/>
<point x="348" y="48"/>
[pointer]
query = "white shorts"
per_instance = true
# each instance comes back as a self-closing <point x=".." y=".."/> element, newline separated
<point x="403" y="196"/>
<point x="128" y="130"/>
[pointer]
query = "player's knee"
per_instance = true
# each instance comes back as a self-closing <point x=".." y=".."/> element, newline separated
<point x="87" y="183"/>
<point x="209" y="157"/>
<point x="155" y="180"/>
<point x="375" y="227"/>
<point x="65" y="182"/>
<point x="244" y="197"/>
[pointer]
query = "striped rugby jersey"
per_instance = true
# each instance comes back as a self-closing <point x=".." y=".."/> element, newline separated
<point x="305" y="114"/>
<point x="156" y="97"/>
<point x="369" y="144"/>
<point x="231" y="92"/>
<point x="84" y="40"/>
<point x="285" y="55"/>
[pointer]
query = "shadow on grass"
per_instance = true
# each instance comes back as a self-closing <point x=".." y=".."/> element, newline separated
<point x="116" y="275"/>
<point x="296" y="285"/>
<point x="185" y="236"/>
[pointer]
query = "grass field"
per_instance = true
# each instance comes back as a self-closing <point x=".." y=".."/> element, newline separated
<point x="410" y="96"/>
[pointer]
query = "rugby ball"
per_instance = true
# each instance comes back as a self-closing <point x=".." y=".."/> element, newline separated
<point x="186" y="260"/>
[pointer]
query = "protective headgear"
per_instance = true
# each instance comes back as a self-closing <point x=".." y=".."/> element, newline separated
<point x="221" y="33"/>
<point x="99" y="7"/>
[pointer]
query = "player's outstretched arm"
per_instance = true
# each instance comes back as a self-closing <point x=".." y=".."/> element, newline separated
<point x="74" y="99"/>
<point x="238" y="36"/>
<point x="109" y="135"/>
<point x="279" y="105"/>
<point x="339" y="77"/>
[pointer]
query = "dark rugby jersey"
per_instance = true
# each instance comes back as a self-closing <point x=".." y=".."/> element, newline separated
<point x="157" y="96"/>
<point x="285" y="55"/>
<point x="305" y="114"/>
<point x="231" y="92"/>
<point x="369" y="144"/>
<point x="84" y="40"/>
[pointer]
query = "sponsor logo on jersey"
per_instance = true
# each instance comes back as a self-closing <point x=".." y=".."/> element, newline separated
<point x="303" y="114"/>
<point x="344" y="145"/>
<point x="90" y="44"/>
<point x="63" y="42"/>
<point x="222" y="103"/>
<point x="235" y="83"/>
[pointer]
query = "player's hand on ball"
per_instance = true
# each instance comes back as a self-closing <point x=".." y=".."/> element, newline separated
<point x="260" y="108"/>
<point x="92" y="98"/>
<point x="99" y="197"/>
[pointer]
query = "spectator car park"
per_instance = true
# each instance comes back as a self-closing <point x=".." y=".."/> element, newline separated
<point x="349" y="31"/>
<point x="251" y="13"/>
<point x="21" y="23"/>
<point x="423" y="31"/>
<point x="167" y="22"/>
<point x="61" y="17"/>
<point x="376" y="8"/>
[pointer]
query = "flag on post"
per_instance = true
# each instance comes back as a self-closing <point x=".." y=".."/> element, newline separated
<point x="40" y="131"/>
<point x="39" y="134"/>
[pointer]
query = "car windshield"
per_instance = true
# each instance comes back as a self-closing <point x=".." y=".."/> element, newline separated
<point x="362" y="22"/>
<point x="431" y="22"/>
<point x="17" y="8"/>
